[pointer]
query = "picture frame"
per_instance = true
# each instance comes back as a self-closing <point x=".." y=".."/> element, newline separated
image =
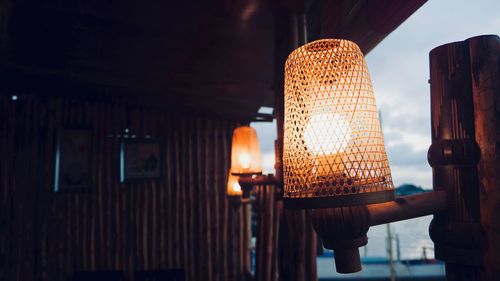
<point x="140" y="160"/>
<point x="73" y="160"/>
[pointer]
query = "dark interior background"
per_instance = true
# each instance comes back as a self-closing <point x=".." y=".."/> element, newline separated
<point x="185" y="73"/>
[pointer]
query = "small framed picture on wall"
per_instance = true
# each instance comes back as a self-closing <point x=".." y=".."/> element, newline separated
<point x="72" y="160"/>
<point x="140" y="160"/>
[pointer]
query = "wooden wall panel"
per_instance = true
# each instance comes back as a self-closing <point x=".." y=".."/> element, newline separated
<point x="267" y="235"/>
<point x="286" y="241"/>
<point x="181" y="221"/>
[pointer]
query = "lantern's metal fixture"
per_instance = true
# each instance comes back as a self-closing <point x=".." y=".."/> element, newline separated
<point x="270" y="180"/>
<point x="240" y="189"/>
<point x="334" y="159"/>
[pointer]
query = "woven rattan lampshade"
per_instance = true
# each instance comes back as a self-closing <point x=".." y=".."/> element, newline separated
<point x="334" y="152"/>
<point x="233" y="187"/>
<point x="246" y="158"/>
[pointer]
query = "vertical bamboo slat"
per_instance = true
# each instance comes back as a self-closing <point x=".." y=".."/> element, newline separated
<point x="178" y="205"/>
<point x="215" y="195"/>
<point x="196" y="218"/>
<point x="206" y="185"/>
<point x="184" y="177"/>
<point x="225" y="215"/>
<point x="169" y="220"/>
<point x="112" y="201"/>
<point x="266" y="241"/>
<point x="484" y="54"/>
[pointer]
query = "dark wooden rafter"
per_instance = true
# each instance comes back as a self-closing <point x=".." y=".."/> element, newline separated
<point x="208" y="57"/>
<point x="366" y="22"/>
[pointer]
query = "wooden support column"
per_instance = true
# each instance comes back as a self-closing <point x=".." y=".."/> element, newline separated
<point x="453" y="156"/>
<point x="465" y="156"/>
<point x="485" y="77"/>
<point x="297" y="239"/>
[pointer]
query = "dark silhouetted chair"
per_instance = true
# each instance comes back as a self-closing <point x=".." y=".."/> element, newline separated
<point x="160" y="275"/>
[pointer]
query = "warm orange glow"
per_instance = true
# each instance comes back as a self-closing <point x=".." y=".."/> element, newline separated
<point x="236" y="187"/>
<point x="333" y="143"/>
<point x="233" y="187"/>
<point x="246" y="158"/>
<point x="327" y="133"/>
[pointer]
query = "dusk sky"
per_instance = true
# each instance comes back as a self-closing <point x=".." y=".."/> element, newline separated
<point x="399" y="68"/>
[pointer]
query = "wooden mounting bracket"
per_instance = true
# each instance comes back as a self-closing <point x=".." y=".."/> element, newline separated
<point x="344" y="229"/>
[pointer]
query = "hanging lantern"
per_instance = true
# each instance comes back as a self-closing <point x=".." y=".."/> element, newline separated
<point x="246" y="158"/>
<point x="334" y="152"/>
<point x="233" y="187"/>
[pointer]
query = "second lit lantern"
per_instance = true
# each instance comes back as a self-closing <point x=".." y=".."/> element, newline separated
<point x="246" y="158"/>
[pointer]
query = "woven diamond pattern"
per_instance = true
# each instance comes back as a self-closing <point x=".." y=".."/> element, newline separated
<point x="333" y="144"/>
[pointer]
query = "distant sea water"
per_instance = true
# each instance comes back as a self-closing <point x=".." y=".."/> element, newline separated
<point x="413" y="236"/>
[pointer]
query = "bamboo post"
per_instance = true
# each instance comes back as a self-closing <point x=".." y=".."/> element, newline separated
<point x="389" y="251"/>
<point x="344" y="229"/>
<point x="247" y="242"/>
<point x="259" y="260"/>
<point x="485" y="76"/>
<point x="407" y="207"/>
<point x="297" y="261"/>
<point x="453" y="156"/>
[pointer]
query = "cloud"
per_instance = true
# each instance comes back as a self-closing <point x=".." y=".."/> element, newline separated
<point x="404" y="154"/>
<point x="268" y="160"/>
<point x="399" y="68"/>
<point x="267" y="133"/>
<point x="420" y="175"/>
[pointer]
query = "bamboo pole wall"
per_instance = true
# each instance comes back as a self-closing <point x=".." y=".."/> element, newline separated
<point x="181" y="221"/>
<point x="286" y="241"/>
<point x="297" y="245"/>
<point x="266" y="261"/>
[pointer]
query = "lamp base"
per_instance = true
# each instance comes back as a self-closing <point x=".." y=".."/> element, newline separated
<point x="343" y="230"/>
<point x="339" y="200"/>
<point x="347" y="260"/>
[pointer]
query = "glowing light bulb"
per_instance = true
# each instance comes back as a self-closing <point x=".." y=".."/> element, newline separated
<point x="236" y="187"/>
<point x="327" y="133"/>
<point x="245" y="160"/>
